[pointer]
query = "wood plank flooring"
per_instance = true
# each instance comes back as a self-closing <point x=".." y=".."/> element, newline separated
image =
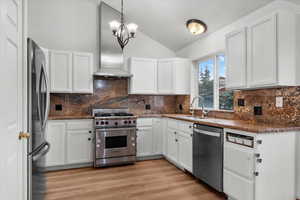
<point x="147" y="180"/>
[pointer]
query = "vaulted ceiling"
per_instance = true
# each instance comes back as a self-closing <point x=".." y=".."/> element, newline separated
<point x="164" y="20"/>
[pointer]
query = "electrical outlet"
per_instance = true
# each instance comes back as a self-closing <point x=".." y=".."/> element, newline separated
<point x="258" y="110"/>
<point x="279" y="102"/>
<point x="241" y="102"/>
<point x="58" y="107"/>
<point x="148" y="107"/>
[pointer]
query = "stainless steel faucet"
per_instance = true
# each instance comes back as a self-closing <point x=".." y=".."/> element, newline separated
<point x="204" y="112"/>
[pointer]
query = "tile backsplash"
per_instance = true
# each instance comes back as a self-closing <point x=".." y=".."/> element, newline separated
<point x="113" y="93"/>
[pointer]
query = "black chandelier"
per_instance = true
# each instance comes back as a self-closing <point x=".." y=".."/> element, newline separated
<point x="123" y="32"/>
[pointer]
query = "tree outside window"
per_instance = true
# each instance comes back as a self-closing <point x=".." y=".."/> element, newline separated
<point x="214" y="94"/>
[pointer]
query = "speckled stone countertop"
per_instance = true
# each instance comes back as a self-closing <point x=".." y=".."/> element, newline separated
<point x="237" y="124"/>
<point x="217" y="122"/>
<point x="71" y="117"/>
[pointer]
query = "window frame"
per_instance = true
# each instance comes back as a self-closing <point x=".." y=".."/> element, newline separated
<point x="195" y="80"/>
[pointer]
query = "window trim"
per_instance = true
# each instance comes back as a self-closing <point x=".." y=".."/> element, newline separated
<point x="195" y="90"/>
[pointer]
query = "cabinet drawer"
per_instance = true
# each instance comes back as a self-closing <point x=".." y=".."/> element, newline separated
<point x="238" y="187"/>
<point x="185" y="126"/>
<point x="173" y="124"/>
<point x="80" y="125"/>
<point x="239" y="161"/>
<point x="144" y="122"/>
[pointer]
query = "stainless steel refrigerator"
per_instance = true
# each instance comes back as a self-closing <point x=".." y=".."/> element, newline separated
<point x="38" y="110"/>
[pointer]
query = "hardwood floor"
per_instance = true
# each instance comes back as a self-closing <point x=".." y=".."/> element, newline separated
<point x="147" y="180"/>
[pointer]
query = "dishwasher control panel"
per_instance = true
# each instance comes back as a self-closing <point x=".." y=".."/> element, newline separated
<point x="243" y="140"/>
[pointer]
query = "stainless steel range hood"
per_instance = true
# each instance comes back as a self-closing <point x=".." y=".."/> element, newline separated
<point x="111" y="55"/>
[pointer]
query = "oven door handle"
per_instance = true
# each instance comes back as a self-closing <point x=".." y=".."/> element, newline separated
<point x="117" y="129"/>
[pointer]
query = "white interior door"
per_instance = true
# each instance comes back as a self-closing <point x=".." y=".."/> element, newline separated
<point x="11" y="176"/>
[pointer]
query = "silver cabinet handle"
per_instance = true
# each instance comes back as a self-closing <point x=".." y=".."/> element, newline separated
<point x="259" y="141"/>
<point x="257" y="155"/>
<point x="256" y="173"/>
<point x="259" y="160"/>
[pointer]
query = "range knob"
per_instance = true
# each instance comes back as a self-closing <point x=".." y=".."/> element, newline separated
<point x="97" y="123"/>
<point x="102" y="122"/>
<point x="129" y="122"/>
<point x="125" y="122"/>
<point x="106" y="123"/>
<point x="116" y="123"/>
<point x="133" y="121"/>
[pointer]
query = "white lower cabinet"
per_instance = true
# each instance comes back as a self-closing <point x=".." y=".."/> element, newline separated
<point x="71" y="142"/>
<point x="149" y="137"/>
<point x="55" y="135"/>
<point x="256" y="168"/>
<point x="79" y="148"/>
<point x="144" y="141"/>
<point x="180" y="143"/>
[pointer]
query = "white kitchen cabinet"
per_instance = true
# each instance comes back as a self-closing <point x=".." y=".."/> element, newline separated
<point x="172" y="146"/>
<point x="144" y="80"/>
<point x="55" y="135"/>
<point x="181" y="76"/>
<point x="263" y="52"/>
<point x="249" y="171"/>
<point x="185" y="150"/>
<point x="236" y="59"/>
<point x="71" y="142"/>
<point x="180" y="144"/>
<point x="61" y="71"/>
<point x="82" y="72"/>
<point x="79" y="146"/>
<point x="165" y="79"/>
<point x="157" y="136"/>
<point x="163" y="76"/>
<point x="70" y="72"/>
<point x="144" y="141"/>
<point x="272" y="47"/>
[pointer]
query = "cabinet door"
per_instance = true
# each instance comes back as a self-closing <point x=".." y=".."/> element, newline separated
<point x="182" y="74"/>
<point x="61" y="71"/>
<point x="83" y="73"/>
<point x="172" y="145"/>
<point x="263" y="52"/>
<point x="79" y="147"/>
<point x="144" y="141"/>
<point x="165" y="77"/>
<point x="157" y="137"/>
<point x="55" y="135"/>
<point x="185" y="151"/>
<point x="144" y="80"/>
<point x="236" y="55"/>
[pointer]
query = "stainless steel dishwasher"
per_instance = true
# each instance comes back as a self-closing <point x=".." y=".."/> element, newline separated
<point x="208" y="155"/>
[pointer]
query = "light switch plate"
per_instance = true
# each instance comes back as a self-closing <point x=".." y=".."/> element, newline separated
<point x="279" y="102"/>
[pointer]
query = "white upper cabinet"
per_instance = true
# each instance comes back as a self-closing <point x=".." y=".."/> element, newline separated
<point x="236" y="62"/>
<point x="164" y="76"/>
<point x="61" y="71"/>
<point x="71" y="72"/>
<point x="144" y="80"/>
<point x="182" y="75"/>
<point x="83" y="72"/>
<point x="263" y="52"/>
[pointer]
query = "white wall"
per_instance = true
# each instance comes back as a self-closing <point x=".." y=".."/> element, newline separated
<point x="74" y="25"/>
<point x="215" y="42"/>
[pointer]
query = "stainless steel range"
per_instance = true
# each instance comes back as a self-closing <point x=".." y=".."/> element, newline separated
<point x="115" y="140"/>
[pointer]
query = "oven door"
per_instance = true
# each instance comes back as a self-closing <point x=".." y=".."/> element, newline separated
<point x="115" y="142"/>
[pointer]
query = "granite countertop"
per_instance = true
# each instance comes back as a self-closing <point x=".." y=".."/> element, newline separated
<point x="237" y="124"/>
<point x="71" y="117"/>
<point x="242" y="125"/>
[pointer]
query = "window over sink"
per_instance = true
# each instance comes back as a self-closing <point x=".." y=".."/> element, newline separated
<point x="211" y="83"/>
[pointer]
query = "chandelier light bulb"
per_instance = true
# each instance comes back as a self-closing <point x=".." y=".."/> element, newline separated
<point x="132" y="28"/>
<point x="114" y="26"/>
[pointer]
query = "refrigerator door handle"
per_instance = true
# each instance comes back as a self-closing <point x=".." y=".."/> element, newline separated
<point x="47" y="99"/>
<point x="40" y="151"/>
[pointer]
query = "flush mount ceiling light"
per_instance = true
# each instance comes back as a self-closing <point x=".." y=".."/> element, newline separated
<point x="196" y="26"/>
<point x="123" y="32"/>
